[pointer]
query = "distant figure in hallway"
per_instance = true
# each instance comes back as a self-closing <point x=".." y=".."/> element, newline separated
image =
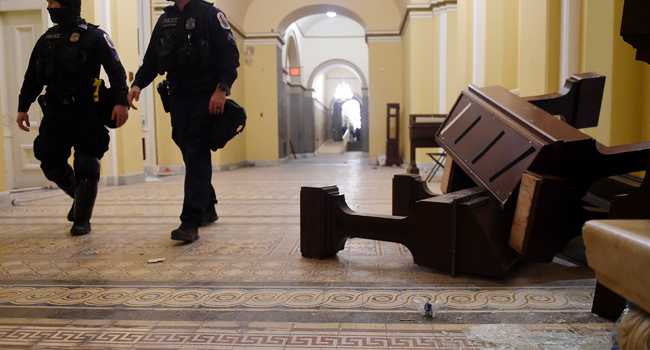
<point x="192" y="43"/>
<point x="67" y="60"/>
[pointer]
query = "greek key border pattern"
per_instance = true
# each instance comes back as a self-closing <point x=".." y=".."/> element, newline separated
<point x="308" y="298"/>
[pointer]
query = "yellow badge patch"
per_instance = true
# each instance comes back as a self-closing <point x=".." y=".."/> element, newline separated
<point x="74" y="37"/>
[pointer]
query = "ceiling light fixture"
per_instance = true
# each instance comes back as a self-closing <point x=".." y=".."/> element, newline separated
<point x="343" y="92"/>
<point x="331" y="14"/>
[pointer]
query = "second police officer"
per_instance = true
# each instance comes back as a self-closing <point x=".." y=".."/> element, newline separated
<point x="67" y="60"/>
<point x="192" y="42"/>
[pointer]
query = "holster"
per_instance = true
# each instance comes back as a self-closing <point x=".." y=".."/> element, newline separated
<point x="42" y="101"/>
<point x="105" y="100"/>
<point x="163" y="90"/>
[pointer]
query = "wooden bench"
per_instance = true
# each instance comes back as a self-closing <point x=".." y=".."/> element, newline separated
<point x="619" y="253"/>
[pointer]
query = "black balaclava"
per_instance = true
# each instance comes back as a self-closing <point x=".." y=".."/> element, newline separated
<point x="70" y="10"/>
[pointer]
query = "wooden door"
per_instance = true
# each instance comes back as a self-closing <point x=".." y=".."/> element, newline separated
<point x="20" y="31"/>
<point x="392" y="135"/>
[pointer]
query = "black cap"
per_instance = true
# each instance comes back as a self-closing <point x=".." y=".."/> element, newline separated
<point x="71" y="4"/>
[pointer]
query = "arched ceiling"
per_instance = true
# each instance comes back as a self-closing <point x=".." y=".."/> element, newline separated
<point x="236" y="10"/>
<point x="321" y="25"/>
<point x="265" y="16"/>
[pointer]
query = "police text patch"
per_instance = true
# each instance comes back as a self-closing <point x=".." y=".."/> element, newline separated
<point x="223" y="21"/>
<point x="109" y="41"/>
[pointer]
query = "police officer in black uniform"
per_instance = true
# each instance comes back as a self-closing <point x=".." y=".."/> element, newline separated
<point x="67" y="60"/>
<point x="192" y="43"/>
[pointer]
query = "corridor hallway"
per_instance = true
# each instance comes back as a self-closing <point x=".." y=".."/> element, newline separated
<point x="244" y="284"/>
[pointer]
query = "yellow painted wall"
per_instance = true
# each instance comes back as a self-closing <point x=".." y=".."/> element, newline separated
<point x="422" y="81"/>
<point x="124" y="27"/>
<point x="645" y="127"/>
<point x="385" y="86"/>
<point x="89" y="10"/>
<point x="166" y="150"/>
<point x="464" y="47"/>
<point x="624" y="114"/>
<point x="627" y="92"/>
<point x="235" y="150"/>
<point x="233" y="10"/>
<point x="260" y="79"/>
<point x="422" y="57"/>
<point x="501" y="56"/>
<point x="431" y="90"/>
<point x="453" y="79"/>
<point x="597" y="39"/>
<point x="263" y="16"/>
<point x="4" y="179"/>
<point x="124" y="35"/>
<point x="539" y="46"/>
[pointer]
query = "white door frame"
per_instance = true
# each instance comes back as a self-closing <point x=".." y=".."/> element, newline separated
<point x="146" y="96"/>
<point x="9" y="117"/>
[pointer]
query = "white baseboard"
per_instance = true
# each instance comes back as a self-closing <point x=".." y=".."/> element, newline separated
<point x="5" y="199"/>
<point x="120" y="180"/>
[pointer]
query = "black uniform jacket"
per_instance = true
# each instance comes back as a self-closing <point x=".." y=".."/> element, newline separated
<point x="100" y="52"/>
<point x="212" y="24"/>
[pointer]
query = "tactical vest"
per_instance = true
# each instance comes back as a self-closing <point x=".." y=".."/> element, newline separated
<point x="185" y="40"/>
<point x="65" y="56"/>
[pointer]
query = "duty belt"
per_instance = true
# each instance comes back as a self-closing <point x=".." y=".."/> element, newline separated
<point x="70" y="98"/>
<point x="206" y="84"/>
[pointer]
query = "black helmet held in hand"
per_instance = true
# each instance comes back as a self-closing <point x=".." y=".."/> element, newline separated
<point x="227" y="125"/>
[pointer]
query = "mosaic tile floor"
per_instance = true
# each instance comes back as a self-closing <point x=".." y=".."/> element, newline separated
<point x="244" y="284"/>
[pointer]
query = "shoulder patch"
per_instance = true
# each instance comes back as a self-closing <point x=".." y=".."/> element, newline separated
<point x="109" y="41"/>
<point x="223" y="21"/>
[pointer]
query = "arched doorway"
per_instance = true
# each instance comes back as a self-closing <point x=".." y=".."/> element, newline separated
<point x="344" y="73"/>
<point x="351" y="117"/>
<point x="319" y="53"/>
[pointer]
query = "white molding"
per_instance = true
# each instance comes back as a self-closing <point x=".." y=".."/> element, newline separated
<point x="12" y="5"/>
<point x="131" y="179"/>
<point x="265" y="162"/>
<point x="478" y="70"/>
<point x="431" y="4"/>
<point x="443" y="64"/>
<point x="384" y="38"/>
<point x="421" y="14"/>
<point x="264" y="39"/>
<point x="570" y="40"/>
<point x="5" y="199"/>
<point x="229" y="166"/>
<point x="122" y="180"/>
<point x="3" y="83"/>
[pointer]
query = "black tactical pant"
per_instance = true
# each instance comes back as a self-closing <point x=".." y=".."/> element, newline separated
<point x="191" y="121"/>
<point x="67" y="127"/>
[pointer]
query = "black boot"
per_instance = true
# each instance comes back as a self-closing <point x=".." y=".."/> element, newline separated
<point x="209" y="216"/>
<point x="84" y="203"/>
<point x="187" y="232"/>
<point x="65" y="179"/>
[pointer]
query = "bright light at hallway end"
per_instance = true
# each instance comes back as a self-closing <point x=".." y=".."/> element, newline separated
<point x="331" y="14"/>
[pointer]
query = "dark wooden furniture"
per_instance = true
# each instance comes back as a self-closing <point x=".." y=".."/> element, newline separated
<point x="392" y="134"/>
<point x="512" y="191"/>
<point x="422" y="133"/>
<point x="635" y="30"/>
<point x="635" y="27"/>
